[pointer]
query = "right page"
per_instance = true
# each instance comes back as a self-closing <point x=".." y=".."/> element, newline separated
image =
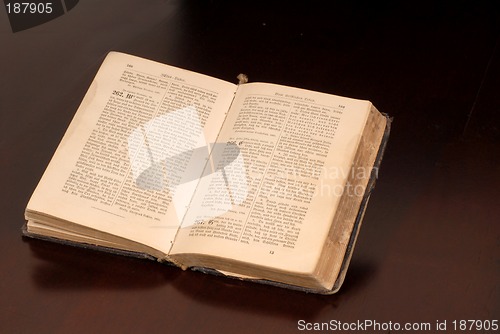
<point x="275" y="178"/>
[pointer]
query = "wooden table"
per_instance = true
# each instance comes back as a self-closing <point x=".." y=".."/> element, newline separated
<point x="428" y="251"/>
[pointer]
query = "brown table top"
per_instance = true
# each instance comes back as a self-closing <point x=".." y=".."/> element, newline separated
<point x="428" y="250"/>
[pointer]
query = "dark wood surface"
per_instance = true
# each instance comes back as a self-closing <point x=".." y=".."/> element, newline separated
<point x="429" y="247"/>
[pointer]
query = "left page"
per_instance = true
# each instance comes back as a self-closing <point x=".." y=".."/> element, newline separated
<point x="131" y="158"/>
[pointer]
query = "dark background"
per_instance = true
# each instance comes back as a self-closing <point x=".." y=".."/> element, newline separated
<point x="429" y="246"/>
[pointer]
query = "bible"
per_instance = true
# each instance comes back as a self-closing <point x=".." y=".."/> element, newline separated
<point x="255" y="181"/>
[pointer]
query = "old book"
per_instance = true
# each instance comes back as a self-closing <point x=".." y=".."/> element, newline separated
<point x="256" y="181"/>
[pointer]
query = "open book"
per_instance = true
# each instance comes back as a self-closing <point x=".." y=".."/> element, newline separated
<point x="256" y="181"/>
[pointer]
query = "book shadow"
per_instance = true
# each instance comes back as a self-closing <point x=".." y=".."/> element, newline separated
<point x="60" y="267"/>
<point x="251" y="297"/>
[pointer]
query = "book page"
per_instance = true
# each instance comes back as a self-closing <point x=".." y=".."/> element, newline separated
<point x="271" y="193"/>
<point x="132" y="156"/>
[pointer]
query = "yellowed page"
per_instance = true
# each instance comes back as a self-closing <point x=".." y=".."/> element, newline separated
<point x="130" y="160"/>
<point x="271" y="198"/>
